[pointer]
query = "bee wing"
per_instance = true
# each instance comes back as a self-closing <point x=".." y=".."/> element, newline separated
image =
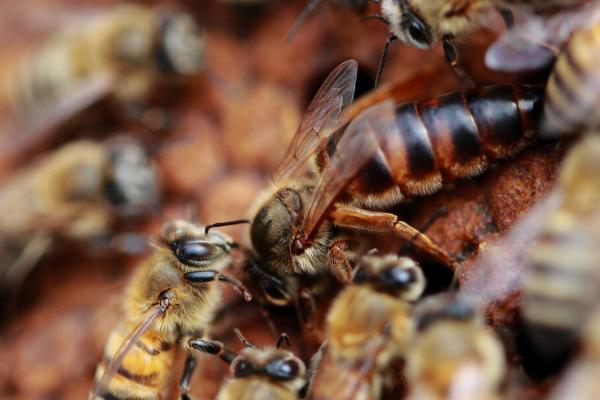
<point x="117" y="359"/>
<point x="498" y="270"/>
<point x="321" y="117"/>
<point x="535" y="40"/>
<point x="359" y="143"/>
<point x="349" y="380"/>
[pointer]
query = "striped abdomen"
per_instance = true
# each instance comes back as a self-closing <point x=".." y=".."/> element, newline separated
<point x="447" y="138"/>
<point x="145" y="370"/>
<point x="573" y="90"/>
<point x="560" y="285"/>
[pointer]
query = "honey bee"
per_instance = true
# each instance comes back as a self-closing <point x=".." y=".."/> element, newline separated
<point x="258" y="373"/>
<point x="560" y="282"/>
<point x="388" y="152"/>
<point x="169" y="299"/>
<point x="77" y="193"/>
<point x="123" y="53"/>
<point x="368" y="327"/>
<point x="550" y="255"/>
<point x="453" y="355"/>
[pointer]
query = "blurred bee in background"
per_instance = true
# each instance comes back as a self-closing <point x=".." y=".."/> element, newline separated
<point x="258" y="373"/>
<point x="76" y="193"/>
<point x="125" y="54"/>
<point x="170" y="298"/>
<point x="369" y="326"/>
<point x="551" y="255"/>
<point x="560" y="281"/>
<point x="573" y="90"/>
<point x="453" y="354"/>
<point x="303" y="223"/>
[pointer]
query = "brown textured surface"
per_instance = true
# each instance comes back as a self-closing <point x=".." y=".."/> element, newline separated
<point x="230" y="131"/>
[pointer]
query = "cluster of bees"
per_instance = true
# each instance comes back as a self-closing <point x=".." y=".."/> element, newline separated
<point x="347" y="165"/>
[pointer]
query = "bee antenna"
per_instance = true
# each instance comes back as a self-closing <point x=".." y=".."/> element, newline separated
<point x="377" y="17"/>
<point x="225" y="223"/>
<point x="306" y="11"/>
<point x="242" y="338"/>
<point x="283" y="338"/>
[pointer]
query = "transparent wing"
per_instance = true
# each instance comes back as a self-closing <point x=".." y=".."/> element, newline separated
<point x="128" y="343"/>
<point x="359" y="143"/>
<point x="321" y="117"/>
<point x="535" y="40"/>
<point x="498" y="271"/>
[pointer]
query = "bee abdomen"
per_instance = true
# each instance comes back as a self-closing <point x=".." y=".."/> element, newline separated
<point x="144" y="370"/>
<point x="560" y="286"/>
<point x="573" y="90"/>
<point x="456" y="135"/>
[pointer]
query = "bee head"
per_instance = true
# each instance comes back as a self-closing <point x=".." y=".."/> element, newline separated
<point x="181" y="48"/>
<point x="414" y="30"/>
<point x="132" y="183"/>
<point x="274" y="364"/>
<point x="193" y="247"/>
<point x="398" y="276"/>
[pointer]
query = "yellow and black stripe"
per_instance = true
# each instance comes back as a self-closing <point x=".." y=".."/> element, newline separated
<point x="145" y="369"/>
<point x="573" y="90"/>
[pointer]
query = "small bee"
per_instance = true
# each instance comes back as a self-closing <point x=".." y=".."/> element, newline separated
<point x="368" y="327"/>
<point x="303" y="222"/>
<point x="124" y="53"/>
<point x="169" y="299"/>
<point x="75" y="193"/>
<point x="453" y="355"/>
<point x="258" y="373"/>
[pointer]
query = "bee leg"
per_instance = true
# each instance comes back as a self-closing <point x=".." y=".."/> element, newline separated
<point x="210" y="275"/>
<point x="451" y="56"/>
<point x="307" y="309"/>
<point x="386" y="223"/>
<point x="382" y="59"/>
<point x="184" y="384"/>
<point x="213" y="347"/>
<point x="337" y="258"/>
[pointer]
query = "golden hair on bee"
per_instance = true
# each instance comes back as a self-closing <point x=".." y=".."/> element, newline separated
<point x="170" y="298"/>
<point x="453" y="354"/>
<point x="369" y="326"/>
<point x="258" y="373"/>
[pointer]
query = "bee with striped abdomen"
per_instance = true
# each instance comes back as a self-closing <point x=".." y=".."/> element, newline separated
<point x="560" y="280"/>
<point x="385" y="154"/>
<point x="369" y="326"/>
<point x="170" y="298"/>
<point x="258" y="373"/>
<point x="123" y="54"/>
<point x="75" y="193"/>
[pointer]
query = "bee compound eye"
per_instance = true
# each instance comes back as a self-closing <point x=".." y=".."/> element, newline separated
<point x="282" y="369"/>
<point x="193" y="252"/>
<point x="242" y="369"/>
